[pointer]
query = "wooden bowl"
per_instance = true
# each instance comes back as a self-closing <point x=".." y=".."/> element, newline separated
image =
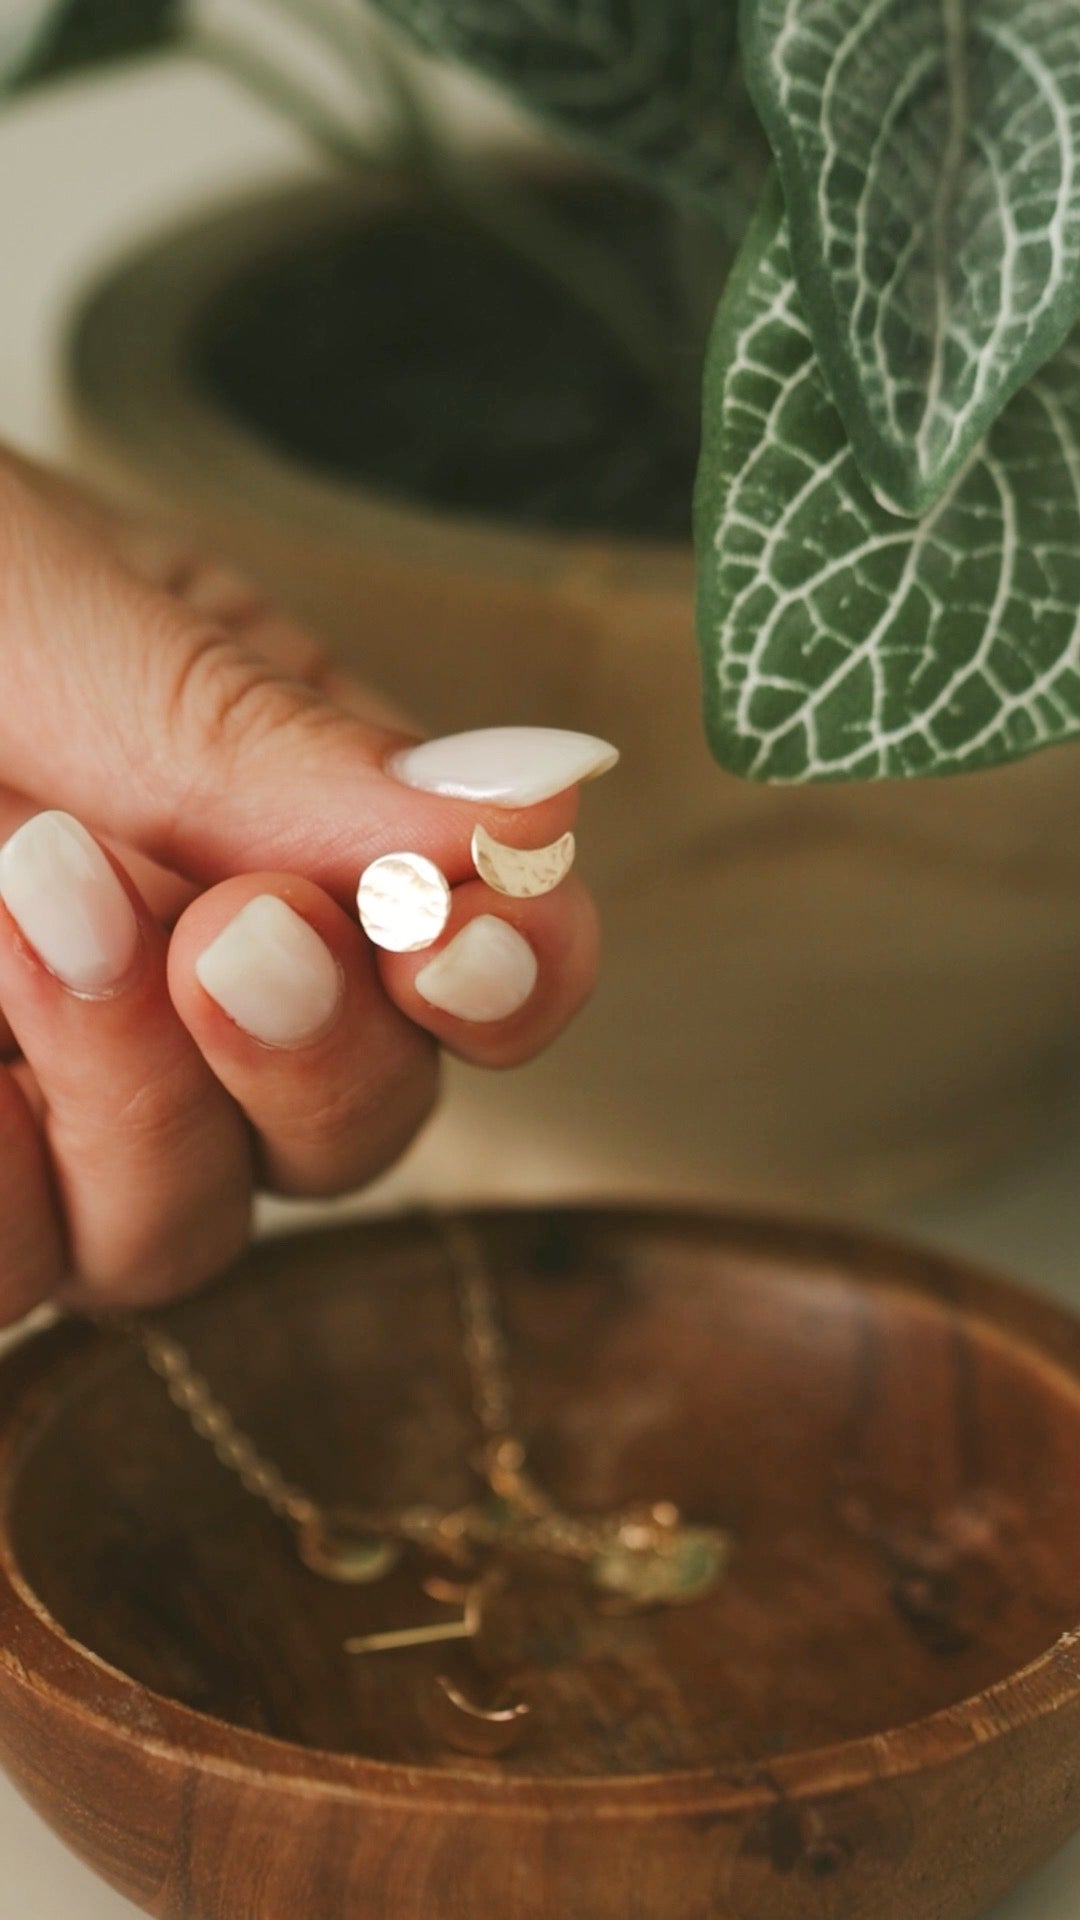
<point x="877" y="1717"/>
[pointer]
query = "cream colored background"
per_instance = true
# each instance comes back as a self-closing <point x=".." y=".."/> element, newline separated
<point x="82" y="173"/>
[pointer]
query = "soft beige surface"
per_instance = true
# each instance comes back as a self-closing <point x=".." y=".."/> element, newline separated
<point x="80" y="175"/>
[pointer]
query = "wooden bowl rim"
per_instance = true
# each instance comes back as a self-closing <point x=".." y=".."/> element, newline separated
<point x="126" y="339"/>
<point x="38" y="1654"/>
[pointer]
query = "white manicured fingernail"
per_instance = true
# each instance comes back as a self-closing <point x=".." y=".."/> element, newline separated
<point x="270" y="972"/>
<point x="68" y="904"/>
<point x="504" y="766"/>
<point x="486" y="973"/>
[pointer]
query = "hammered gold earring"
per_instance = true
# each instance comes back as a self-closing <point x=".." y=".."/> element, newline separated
<point x="523" y="873"/>
<point x="404" y="902"/>
<point x="404" y="898"/>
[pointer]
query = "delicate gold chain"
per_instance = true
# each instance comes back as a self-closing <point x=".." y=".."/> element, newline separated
<point x="646" y="1555"/>
<point x="483" y="1340"/>
<point x="192" y="1393"/>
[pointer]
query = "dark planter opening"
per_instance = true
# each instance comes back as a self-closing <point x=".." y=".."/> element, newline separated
<point x="416" y="355"/>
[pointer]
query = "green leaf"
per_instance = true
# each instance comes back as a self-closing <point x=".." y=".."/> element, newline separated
<point x="644" y="80"/>
<point x="44" y="39"/>
<point x="838" y="641"/>
<point x="930" y="156"/>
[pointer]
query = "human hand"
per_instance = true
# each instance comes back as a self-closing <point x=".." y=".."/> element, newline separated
<point x="235" y="785"/>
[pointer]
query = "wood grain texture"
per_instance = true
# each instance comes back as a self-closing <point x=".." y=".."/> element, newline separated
<point x="876" y="1718"/>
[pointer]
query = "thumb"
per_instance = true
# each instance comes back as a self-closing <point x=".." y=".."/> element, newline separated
<point x="122" y="705"/>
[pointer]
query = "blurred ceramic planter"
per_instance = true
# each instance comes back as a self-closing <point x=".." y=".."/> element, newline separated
<point x="831" y="995"/>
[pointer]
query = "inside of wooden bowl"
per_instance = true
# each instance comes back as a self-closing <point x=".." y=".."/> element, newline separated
<point x="895" y="1451"/>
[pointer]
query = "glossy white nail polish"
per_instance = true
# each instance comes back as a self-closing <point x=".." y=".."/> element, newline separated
<point x="271" y="973"/>
<point x="68" y="904"/>
<point x="487" y="972"/>
<point x="504" y="766"/>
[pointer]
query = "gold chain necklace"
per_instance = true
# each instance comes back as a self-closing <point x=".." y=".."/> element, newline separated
<point x="639" y="1557"/>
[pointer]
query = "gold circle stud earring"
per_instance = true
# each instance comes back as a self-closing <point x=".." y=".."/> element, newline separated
<point x="404" y="902"/>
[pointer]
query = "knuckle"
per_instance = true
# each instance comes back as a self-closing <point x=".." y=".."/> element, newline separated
<point x="175" y="1252"/>
<point x="217" y="704"/>
<point x="356" y="1133"/>
<point x="177" y="1148"/>
<point x="218" y="700"/>
<point x="217" y="697"/>
<point x="151" y="1118"/>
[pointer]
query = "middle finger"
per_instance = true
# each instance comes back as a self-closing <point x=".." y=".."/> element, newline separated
<point x="281" y="991"/>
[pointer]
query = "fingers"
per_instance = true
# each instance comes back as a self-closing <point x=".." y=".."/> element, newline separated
<point x="157" y="723"/>
<point x="328" y="1049"/>
<point x="328" y="1046"/>
<point x="33" y="1255"/>
<point x="234" y="603"/>
<point x="150" y="1160"/>
<point x="164" y="893"/>
<point x="282" y="995"/>
<point x="163" y="559"/>
<point x="505" y="978"/>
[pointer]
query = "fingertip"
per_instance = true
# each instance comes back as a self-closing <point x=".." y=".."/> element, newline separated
<point x="73" y="903"/>
<point x="263" y="959"/>
<point x="485" y="974"/>
<point x="505" y="767"/>
<point x="506" y="977"/>
<point x="441" y="827"/>
<point x="282" y="995"/>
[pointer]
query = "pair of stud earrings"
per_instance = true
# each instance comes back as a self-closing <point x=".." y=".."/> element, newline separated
<point x="404" y="898"/>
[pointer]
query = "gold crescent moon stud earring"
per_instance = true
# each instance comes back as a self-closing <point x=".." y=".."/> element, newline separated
<point x="404" y="902"/>
<point x="524" y="873"/>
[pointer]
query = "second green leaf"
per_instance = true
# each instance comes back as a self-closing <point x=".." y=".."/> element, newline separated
<point x="930" y="155"/>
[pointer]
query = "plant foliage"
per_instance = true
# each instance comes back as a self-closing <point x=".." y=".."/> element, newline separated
<point x="888" y="508"/>
<point x="930" y="154"/>
<point x="645" y="80"/>
<point x="45" y="39"/>
<point x="839" y="641"/>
